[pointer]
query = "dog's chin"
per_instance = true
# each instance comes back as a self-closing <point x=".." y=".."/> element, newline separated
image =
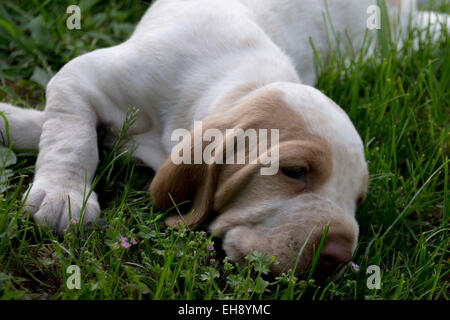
<point x="236" y="255"/>
<point x="233" y="248"/>
<point x="240" y="241"/>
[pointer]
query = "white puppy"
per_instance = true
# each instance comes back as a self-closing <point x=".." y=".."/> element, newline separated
<point x="232" y="64"/>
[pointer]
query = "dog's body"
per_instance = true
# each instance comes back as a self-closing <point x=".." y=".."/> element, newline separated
<point x="236" y="63"/>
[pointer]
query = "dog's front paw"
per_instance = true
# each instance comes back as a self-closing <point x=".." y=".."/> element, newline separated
<point x="58" y="206"/>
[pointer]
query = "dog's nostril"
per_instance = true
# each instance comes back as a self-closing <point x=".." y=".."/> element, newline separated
<point x="334" y="254"/>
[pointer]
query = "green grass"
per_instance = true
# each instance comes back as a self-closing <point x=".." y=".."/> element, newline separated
<point x="399" y="102"/>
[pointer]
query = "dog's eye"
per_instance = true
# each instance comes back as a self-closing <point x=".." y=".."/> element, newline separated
<point x="295" y="173"/>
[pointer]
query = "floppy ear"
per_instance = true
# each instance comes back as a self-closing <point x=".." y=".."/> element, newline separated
<point x="176" y="183"/>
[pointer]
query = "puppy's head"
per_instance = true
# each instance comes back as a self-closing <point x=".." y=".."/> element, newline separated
<point x="321" y="177"/>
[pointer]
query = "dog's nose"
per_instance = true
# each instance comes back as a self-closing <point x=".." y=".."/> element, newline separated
<point x="334" y="254"/>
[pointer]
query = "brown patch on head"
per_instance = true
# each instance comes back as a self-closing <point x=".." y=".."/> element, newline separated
<point x="298" y="147"/>
<point x="314" y="156"/>
<point x="234" y="96"/>
<point x="215" y="185"/>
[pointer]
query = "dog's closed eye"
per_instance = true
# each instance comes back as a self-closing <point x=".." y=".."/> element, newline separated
<point x="297" y="173"/>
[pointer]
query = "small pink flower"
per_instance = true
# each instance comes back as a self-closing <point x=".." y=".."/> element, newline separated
<point x="204" y="234"/>
<point x="125" y="244"/>
<point x="355" y="267"/>
<point x="74" y="222"/>
<point x="133" y="241"/>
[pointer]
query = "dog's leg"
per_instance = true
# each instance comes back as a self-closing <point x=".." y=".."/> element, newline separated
<point x="25" y="127"/>
<point x="149" y="150"/>
<point x="68" y="156"/>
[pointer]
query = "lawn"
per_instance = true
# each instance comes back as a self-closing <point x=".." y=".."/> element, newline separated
<point x="398" y="99"/>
